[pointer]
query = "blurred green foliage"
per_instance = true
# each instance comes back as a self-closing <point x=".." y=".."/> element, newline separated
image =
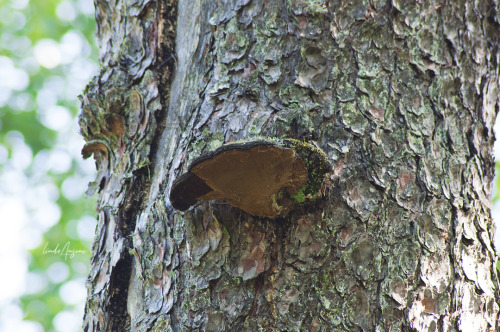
<point x="496" y="186"/>
<point x="47" y="54"/>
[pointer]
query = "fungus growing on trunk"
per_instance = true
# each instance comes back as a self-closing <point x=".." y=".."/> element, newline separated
<point x="265" y="178"/>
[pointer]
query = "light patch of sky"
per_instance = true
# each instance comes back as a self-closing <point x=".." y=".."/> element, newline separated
<point x="73" y="292"/>
<point x="55" y="117"/>
<point x="29" y="64"/>
<point x="46" y="214"/>
<point x="71" y="229"/>
<point x="35" y="282"/>
<point x="14" y="218"/>
<point x="74" y="187"/>
<point x="80" y="266"/>
<point x="86" y="227"/>
<point x="32" y="238"/>
<point x="16" y="20"/>
<point x="21" y="155"/>
<point x="81" y="71"/>
<point x="19" y="4"/>
<point x="72" y="50"/>
<point x="4" y="154"/>
<point x="21" y="102"/>
<point x="66" y="11"/>
<point x="86" y="7"/>
<point x="16" y="44"/>
<point x="4" y="96"/>
<point x="73" y="46"/>
<point x="11" y="77"/>
<point x="11" y="320"/>
<point x="58" y="271"/>
<point x="68" y="320"/>
<point x="46" y="97"/>
<point x="47" y="53"/>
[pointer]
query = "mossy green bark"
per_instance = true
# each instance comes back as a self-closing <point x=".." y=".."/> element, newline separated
<point x="400" y="96"/>
<point x="318" y="168"/>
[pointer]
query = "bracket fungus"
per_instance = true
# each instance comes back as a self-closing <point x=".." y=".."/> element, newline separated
<point x="265" y="178"/>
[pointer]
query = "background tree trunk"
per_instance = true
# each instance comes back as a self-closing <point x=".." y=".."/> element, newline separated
<point x="401" y="96"/>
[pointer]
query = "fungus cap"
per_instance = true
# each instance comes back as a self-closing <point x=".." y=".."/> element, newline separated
<point x="251" y="176"/>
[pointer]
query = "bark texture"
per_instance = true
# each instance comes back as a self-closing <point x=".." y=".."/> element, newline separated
<point x="401" y="95"/>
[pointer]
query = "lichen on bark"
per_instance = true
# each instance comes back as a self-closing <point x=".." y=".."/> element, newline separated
<point x="400" y="96"/>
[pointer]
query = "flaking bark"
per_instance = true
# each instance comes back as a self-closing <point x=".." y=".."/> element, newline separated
<point x="401" y="96"/>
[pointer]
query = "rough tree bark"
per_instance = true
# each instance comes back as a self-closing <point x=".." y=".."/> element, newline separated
<point x="401" y="96"/>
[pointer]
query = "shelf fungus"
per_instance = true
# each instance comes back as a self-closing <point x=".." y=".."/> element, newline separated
<point x="266" y="178"/>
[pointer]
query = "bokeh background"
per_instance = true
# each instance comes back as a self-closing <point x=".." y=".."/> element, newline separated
<point x="47" y="56"/>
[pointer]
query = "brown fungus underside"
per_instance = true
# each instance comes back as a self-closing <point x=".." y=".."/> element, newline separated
<point x="258" y="177"/>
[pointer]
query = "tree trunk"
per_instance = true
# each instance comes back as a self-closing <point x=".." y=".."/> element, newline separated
<point x="400" y="95"/>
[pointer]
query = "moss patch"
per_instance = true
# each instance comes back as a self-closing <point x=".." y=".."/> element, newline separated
<point x="317" y="166"/>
